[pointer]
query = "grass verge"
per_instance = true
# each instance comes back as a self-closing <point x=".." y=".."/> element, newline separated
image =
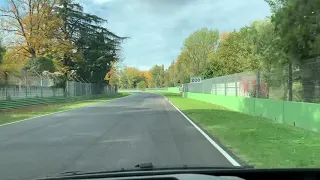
<point x="7" y="116"/>
<point x="257" y="141"/>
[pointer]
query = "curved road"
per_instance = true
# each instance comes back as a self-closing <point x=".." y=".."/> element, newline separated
<point x="139" y="128"/>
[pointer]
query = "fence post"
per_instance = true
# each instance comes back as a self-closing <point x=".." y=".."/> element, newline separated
<point x="225" y="87"/>
<point x="6" y="92"/>
<point x="41" y="86"/>
<point x="236" y="84"/>
<point x="85" y="88"/>
<point x="74" y="88"/>
<point x="67" y="88"/>
<point x="91" y="89"/>
<point x="6" y="85"/>
<point x="54" y="91"/>
<point x="202" y="86"/>
<point x="215" y="87"/>
<point x="258" y="84"/>
<point x="25" y="79"/>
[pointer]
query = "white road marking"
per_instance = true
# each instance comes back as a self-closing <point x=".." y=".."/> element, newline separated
<point x="60" y="111"/>
<point x="223" y="152"/>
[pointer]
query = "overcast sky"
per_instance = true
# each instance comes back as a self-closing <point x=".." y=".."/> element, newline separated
<point x="157" y="28"/>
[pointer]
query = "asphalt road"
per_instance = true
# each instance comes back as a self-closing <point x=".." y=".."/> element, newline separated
<point x="140" y="128"/>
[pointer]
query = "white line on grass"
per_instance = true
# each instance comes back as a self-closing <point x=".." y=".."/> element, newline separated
<point x="58" y="112"/>
<point x="223" y="152"/>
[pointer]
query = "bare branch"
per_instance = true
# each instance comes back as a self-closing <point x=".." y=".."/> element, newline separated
<point x="5" y="10"/>
<point x="18" y="18"/>
<point x="30" y="18"/>
<point x="7" y="15"/>
<point x="9" y="30"/>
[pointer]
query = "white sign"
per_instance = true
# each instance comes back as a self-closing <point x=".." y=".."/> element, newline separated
<point x="195" y="80"/>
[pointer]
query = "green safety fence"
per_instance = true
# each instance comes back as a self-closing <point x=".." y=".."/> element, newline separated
<point x="299" y="114"/>
<point x="14" y="104"/>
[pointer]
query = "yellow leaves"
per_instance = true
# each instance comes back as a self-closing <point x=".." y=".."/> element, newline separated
<point x="43" y="34"/>
<point x="13" y="61"/>
<point x="132" y="72"/>
<point x="146" y="74"/>
<point x="224" y="36"/>
<point x="111" y="73"/>
<point x="58" y="66"/>
<point x="112" y="76"/>
<point x="148" y="77"/>
<point x="36" y="23"/>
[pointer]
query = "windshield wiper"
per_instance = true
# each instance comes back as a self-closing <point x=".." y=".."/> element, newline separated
<point x="143" y="167"/>
<point x="71" y="172"/>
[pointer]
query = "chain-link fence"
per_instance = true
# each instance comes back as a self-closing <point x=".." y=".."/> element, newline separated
<point x="34" y="86"/>
<point x="84" y="89"/>
<point x="301" y="83"/>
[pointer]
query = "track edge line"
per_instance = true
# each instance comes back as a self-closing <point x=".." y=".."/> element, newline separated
<point x="221" y="150"/>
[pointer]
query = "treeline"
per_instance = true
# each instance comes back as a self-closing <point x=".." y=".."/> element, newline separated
<point x="58" y="38"/>
<point x="282" y="47"/>
<point x="130" y="77"/>
<point x="208" y="53"/>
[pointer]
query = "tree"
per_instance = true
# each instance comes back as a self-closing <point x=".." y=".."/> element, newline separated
<point x="236" y="53"/>
<point x="13" y="62"/>
<point x="171" y="75"/>
<point x="134" y="76"/>
<point x="182" y="73"/>
<point x="142" y="85"/>
<point x="130" y="77"/>
<point x="296" y="22"/>
<point x="224" y="36"/>
<point x="2" y="52"/>
<point x="35" y="22"/>
<point x="123" y="79"/>
<point x="157" y="74"/>
<point x="112" y="76"/>
<point x="40" y="64"/>
<point x="98" y="45"/>
<point x="273" y="59"/>
<point x="214" y="67"/>
<point x="277" y="5"/>
<point x="148" y="77"/>
<point x="196" y="49"/>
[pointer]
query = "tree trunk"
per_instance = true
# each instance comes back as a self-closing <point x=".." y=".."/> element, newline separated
<point x="32" y="53"/>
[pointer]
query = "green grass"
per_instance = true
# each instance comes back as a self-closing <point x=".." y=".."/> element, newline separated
<point x="7" y="116"/>
<point x="257" y="141"/>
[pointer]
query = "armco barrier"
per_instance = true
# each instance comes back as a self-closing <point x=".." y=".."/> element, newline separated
<point x="303" y="115"/>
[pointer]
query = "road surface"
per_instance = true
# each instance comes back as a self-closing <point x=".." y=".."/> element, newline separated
<point x="140" y="128"/>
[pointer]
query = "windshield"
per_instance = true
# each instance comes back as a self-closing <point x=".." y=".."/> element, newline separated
<point x="106" y="85"/>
